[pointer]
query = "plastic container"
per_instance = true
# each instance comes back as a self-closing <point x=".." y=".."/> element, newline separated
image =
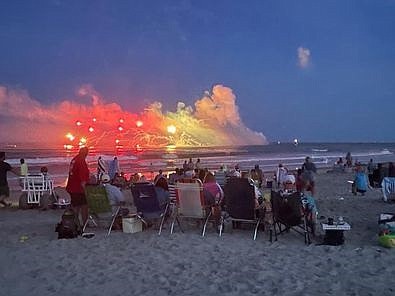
<point x="131" y="224"/>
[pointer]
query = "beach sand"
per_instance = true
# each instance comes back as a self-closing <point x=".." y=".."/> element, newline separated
<point x="187" y="264"/>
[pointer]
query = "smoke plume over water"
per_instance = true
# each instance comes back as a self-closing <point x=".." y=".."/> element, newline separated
<point x="214" y="120"/>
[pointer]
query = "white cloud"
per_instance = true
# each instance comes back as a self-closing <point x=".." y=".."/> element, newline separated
<point x="304" y="55"/>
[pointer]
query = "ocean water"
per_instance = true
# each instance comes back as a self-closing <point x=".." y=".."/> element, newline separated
<point x="149" y="161"/>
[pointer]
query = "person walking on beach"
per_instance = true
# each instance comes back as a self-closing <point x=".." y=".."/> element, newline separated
<point x="24" y="168"/>
<point x="4" y="189"/>
<point x="308" y="174"/>
<point x="101" y="168"/>
<point x="78" y="177"/>
<point x="371" y="166"/>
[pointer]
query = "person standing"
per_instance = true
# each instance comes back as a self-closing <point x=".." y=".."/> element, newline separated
<point x="282" y="171"/>
<point x="114" y="168"/>
<point x="78" y="177"/>
<point x="371" y="166"/>
<point x="101" y="168"/>
<point x="4" y="189"/>
<point x="24" y="168"/>
<point x="308" y="174"/>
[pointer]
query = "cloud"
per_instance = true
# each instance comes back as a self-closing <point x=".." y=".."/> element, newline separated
<point x="304" y="56"/>
<point x="213" y="121"/>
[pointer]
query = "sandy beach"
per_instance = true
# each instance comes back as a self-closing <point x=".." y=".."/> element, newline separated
<point x="187" y="264"/>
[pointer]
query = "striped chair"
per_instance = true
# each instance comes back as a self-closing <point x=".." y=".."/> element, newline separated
<point x="388" y="188"/>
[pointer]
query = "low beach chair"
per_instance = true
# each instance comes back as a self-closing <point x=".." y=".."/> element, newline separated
<point x="240" y="203"/>
<point x="99" y="207"/>
<point x="190" y="203"/>
<point x="147" y="204"/>
<point x="37" y="189"/>
<point x="289" y="211"/>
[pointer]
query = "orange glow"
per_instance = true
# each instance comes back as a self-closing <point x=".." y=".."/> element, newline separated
<point x="171" y="129"/>
<point x="117" y="141"/>
<point x="83" y="140"/>
<point x="121" y="120"/>
<point x="91" y="129"/>
<point x="68" y="146"/>
<point x="139" y="123"/>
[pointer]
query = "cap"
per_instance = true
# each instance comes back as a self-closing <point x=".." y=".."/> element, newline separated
<point x="105" y="178"/>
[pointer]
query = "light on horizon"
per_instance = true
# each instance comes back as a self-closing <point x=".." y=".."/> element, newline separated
<point x="139" y="123"/>
<point x="78" y="123"/>
<point x="91" y="129"/>
<point x="120" y="128"/>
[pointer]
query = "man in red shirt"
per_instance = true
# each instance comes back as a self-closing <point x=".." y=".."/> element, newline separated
<point x="78" y="177"/>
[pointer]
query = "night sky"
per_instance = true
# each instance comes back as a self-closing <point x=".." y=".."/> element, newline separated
<point x="321" y="71"/>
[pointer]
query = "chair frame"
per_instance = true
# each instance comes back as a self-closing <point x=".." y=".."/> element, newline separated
<point x="140" y="213"/>
<point x="104" y="197"/>
<point x="36" y="185"/>
<point x="195" y="189"/>
<point x="301" y="228"/>
<point x="229" y="206"/>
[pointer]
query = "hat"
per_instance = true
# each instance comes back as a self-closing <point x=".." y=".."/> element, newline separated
<point x="105" y="178"/>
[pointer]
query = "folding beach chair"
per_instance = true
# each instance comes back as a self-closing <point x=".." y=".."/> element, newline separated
<point x="388" y="188"/>
<point x="190" y="203"/>
<point x="38" y="190"/>
<point x="289" y="211"/>
<point x="99" y="206"/>
<point x="147" y="204"/>
<point x="240" y="203"/>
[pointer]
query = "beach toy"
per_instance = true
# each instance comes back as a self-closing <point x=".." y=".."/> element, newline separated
<point x="387" y="240"/>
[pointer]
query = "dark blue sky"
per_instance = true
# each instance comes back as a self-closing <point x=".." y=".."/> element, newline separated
<point x="136" y="52"/>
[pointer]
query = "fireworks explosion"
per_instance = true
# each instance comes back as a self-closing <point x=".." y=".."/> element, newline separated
<point x="214" y="121"/>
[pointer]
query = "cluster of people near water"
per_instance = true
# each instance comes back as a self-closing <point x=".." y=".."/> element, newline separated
<point x="114" y="180"/>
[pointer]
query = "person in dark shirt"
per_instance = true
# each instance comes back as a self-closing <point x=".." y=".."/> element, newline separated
<point x="4" y="189"/>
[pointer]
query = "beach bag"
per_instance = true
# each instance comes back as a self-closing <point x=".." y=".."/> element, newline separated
<point x="387" y="240"/>
<point x="69" y="225"/>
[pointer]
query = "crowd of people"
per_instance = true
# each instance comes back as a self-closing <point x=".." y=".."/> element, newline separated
<point x="114" y="180"/>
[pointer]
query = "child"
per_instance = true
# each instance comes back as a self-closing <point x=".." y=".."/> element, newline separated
<point x="361" y="182"/>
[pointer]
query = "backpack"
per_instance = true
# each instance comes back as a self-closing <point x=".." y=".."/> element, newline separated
<point x="69" y="226"/>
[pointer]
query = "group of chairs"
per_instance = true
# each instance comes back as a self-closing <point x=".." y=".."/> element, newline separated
<point x="187" y="202"/>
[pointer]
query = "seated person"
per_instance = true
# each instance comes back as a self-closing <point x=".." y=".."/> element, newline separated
<point x="162" y="192"/>
<point x="289" y="182"/>
<point x="258" y="193"/>
<point x="115" y="195"/>
<point x="280" y="175"/>
<point x="120" y="180"/>
<point x="213" y="193"/>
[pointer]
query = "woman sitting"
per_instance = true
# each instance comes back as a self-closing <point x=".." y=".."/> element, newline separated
<point x="162" y="191"/>
<point x="212" y="191"/>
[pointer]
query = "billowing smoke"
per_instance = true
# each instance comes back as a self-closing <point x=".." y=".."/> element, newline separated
<point x="214" y="121"/>
<point x="303" y="57"/>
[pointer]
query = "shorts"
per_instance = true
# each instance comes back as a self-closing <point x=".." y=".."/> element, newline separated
<point x="78" y="199"/>
<point x="4" y="191"/>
